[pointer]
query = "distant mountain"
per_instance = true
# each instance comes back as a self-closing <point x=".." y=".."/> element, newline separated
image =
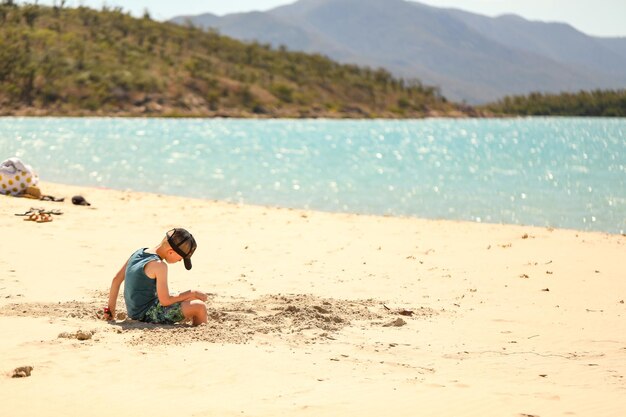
<point x="558" y="41"/>
<point x="471" y="57"/>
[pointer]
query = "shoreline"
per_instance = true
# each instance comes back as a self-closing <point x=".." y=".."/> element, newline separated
<point x="86" y="188"/>
<point x="312" y="313"/>
<point x="354" y="113"/>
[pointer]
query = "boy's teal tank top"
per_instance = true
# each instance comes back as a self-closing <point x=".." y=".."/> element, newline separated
<point x="139" y="290"/>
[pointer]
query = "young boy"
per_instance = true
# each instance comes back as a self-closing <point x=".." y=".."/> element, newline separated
<point x="146" y="292"/>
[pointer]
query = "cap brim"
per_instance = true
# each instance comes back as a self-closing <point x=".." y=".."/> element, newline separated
<point x="187" y="262"/>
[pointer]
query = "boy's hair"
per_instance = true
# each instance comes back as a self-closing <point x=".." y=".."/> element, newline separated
<point x="183" y="243"/>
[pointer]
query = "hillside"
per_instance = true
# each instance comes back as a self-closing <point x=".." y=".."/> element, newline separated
<point x="80" y="61"/>
<point x="472" y="58"/>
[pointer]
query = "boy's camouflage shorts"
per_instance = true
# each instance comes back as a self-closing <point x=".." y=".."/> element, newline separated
<point x="164" y="315"/>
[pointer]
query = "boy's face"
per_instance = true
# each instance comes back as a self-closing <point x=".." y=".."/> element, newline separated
<point x="172" y="257"/>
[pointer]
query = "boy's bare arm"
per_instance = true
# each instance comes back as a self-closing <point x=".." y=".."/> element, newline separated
<point x="194" y="295"/>
<point x="114" y="292"/>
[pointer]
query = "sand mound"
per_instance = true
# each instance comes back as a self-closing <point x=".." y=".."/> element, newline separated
<point x="299" y="317"/>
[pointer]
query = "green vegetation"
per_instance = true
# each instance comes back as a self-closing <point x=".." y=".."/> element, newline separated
<point x="79" y="61"/>
<point x="605" y="103"/>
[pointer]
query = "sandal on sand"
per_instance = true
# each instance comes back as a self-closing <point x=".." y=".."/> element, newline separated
<point x="34" y="210"/>
<point x="33" y="217"/>
<point x="26" y="213"/>
<point x="39" y="215"/>
<point x="51" y="198"/>
<point x="56" y="212"/>
<point x="44" y="218"/>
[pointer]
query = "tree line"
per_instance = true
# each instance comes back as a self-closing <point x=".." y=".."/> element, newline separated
<point x="598" y="103"/>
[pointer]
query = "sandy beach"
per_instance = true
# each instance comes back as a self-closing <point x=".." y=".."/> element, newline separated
<point x="311" y="314"/>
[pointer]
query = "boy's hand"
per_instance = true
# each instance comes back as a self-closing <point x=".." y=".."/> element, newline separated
<point x="200" y="295"/>
<point x="108" y="314"/>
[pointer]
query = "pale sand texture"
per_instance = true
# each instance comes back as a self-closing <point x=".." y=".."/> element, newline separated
<point x="507" y="320"/>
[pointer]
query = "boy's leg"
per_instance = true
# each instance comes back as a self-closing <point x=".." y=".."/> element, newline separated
<point x="164" y="315"/>
<point x="195" y="310"/>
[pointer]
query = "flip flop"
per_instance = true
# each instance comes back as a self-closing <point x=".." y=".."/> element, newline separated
<point x="55" y="212"/>
<point x="52" y="198"/>
<point x="32" y="210"/>
<point x="32" y="217"/>
<point x="44" y="218"/>
<point x="40" y="211"/>
<point x="39" y="215"/>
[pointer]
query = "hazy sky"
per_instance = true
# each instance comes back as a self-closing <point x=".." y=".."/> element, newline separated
<point x="593" y="17"/>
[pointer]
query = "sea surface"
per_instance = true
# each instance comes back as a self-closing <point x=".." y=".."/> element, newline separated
<point x="554" y="172"/>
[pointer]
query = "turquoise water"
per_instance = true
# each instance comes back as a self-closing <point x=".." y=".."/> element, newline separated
<point x="558" y="172"/>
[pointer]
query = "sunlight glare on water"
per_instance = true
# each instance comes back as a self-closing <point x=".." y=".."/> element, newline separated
<point x="558" y="172"/>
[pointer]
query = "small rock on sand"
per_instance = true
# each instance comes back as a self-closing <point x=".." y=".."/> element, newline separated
<point x="22" y="372"/>
<point x="396" y="323"/>
<point x="84" y="335"/>
<point x="79" y="335"/>
<point x="321" y="310"/>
